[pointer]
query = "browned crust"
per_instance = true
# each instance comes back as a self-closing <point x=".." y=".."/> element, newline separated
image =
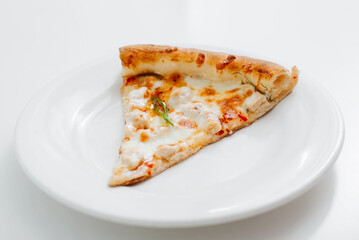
<point x="132" y="56"/>
<point x="114" y="183"/>
<point x="267" y="77"/>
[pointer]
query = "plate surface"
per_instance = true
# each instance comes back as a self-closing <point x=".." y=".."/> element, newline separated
<point x="68" y="137"/>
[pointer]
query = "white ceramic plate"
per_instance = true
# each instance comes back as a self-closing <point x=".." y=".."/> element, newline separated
<point x="68" y="138"/>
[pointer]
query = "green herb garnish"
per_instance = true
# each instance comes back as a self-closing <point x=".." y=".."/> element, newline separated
<point x="160" y="108"/>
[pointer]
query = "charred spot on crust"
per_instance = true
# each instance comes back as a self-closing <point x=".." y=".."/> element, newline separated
<point x="200" y="59"/>
<point x="222" y="65"/>
<point x="128" y="61"/>
<point x="169" y="49"/>
<point x="230" y="58"/>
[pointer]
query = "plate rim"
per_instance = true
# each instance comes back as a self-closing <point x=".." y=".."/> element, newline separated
<point x="275" y="202"/>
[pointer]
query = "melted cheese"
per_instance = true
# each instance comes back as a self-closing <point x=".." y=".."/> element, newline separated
<point x="132" y="157"/>
<point x="137" y="119"/>
<point x="198" y="83"/>
<point x="180" y="96"/>
<point x="161" y="136"/>
<point x="198" y="109"/>
<point x="206" y="118"/>
<point x="136" y="98"/>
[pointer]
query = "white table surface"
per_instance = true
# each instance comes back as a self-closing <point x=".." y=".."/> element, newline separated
<point x="40" y="40"/>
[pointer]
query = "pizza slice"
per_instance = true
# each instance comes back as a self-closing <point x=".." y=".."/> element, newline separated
<point x="178" y="100"/>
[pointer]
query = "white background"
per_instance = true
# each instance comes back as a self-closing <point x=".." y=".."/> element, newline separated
<point x="40" y="40"/>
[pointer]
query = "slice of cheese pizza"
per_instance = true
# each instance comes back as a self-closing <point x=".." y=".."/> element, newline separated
<point x="178" y="100"/>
